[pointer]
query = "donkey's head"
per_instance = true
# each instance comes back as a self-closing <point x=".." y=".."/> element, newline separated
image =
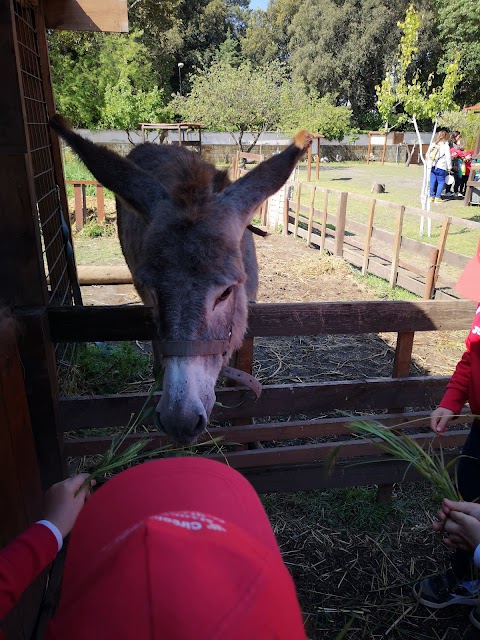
<point x="182" y="230"/>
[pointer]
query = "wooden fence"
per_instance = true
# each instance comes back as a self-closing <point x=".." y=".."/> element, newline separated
<point x="283" y="466"/>
<point x="80" y="194"/>
<point x="375" y="250"/>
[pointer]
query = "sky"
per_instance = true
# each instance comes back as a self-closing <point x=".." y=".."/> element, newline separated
<point x="258" y="4"/>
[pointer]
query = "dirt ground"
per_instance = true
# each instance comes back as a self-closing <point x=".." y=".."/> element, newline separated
<point x="353" y="561"/>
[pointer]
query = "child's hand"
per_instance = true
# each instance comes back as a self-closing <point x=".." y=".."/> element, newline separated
<point x="439" y="420"/>
<point x="461" y="521"/>
<point x="62" y="503"/>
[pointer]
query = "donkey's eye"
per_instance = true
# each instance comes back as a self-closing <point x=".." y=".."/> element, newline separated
<point x="224" y="295"/>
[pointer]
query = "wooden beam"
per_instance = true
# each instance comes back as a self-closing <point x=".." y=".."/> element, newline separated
<point x="87" y="324"/>
<point x="39" y="365"/>
<point x="245" y="433"/>
<point x="302" y="477"/>
<point x="375" y="394"/>
<point x="87" y="15"/>
<point x="19" y="475"/>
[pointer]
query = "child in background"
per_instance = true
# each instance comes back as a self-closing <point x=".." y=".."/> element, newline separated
<point x="457" y="585"/>
<point x="440" y="163"/>
<point x="467" y="167"/>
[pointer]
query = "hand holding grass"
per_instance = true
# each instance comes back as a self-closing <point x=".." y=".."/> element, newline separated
<point x="461" y="521"/>
<point x="64" y="501"/>
<point x="439" y="420"/>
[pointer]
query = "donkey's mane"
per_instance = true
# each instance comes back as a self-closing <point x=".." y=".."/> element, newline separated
<point x="190" y="181"/>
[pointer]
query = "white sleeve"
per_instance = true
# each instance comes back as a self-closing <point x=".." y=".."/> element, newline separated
<point x="54" y="529"/>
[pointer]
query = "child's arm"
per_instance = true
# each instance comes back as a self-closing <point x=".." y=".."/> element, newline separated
<point x="455" y="396"/>
<point x="32" y="551"/>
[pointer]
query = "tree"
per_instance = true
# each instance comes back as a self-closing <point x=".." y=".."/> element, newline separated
<point x="234" y="99"/>
<point x="300" y="109"/>
<point x="267" y="33"/>
<point x="459" y="27"/>
<point x="466" y="122"/>
<point x="342" y="48"/>
<point x="402" y="97"/>
<point x="188" y="31"/>
<point x="104" y="80"/>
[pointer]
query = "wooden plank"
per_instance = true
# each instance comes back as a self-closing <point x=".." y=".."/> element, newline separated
<point x="87" y="182"/>
<point x="13" y="135"/>
<point x="324" y="221"/>
<point x="297" y="207"/>
<point x="87" y="324"/>
<point x="286" y="206"/>
<point x="442" y="241"/>
<point x="396" y="245"/>
<point x="368" y="237"/>
<point x="430" y="278"/>
<point x="304" y="454"/>
<point x="276" y="400"/>
<point x="310" y="216"/>
<point x="340" y="223"/>
<point x="87" y="15"/>
<point x="263" y="432"/>
<point x="100" y="204"/>
<point x="77" y="191"/>
<point x="314" y="476"/>
<point x="20" y="244"/>
<point x="39" y="365"/>
<point x="19" y="474"/>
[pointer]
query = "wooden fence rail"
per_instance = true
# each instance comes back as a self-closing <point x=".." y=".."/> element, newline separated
<point x="80" y="195"/>
<point x="281" y="408"/>
<point x="353" y="240"/>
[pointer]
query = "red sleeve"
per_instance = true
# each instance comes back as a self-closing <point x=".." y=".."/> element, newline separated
<point x="458" y="387"/>
<point x="22" y="561"/>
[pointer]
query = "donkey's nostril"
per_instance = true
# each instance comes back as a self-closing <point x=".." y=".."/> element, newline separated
<point x="200" y="426"/>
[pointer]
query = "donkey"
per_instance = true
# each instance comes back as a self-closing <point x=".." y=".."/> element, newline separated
<point x="183" y="231"/>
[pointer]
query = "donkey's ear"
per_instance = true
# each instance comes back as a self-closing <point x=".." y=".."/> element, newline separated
<point x="122" y="176"/>
<point x="246" y="194"/>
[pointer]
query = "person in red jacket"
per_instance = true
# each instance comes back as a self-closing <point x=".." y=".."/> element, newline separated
<point x="457" y="586"/>
<point x="31" y="552"/>
<point x="174" y="548"/>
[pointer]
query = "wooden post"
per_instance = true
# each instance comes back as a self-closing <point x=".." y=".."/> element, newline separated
<point x="401" y="369"/>
<point x="84" y="202"/>
<point x="297" y="208"/>
<point x="384" y="148"/>
<point x="100" y="204"/>
<point x="77" y="190"/>
<point x="317" y="161"/>
<point x="309" y="163"/>
<point x="369" y="148"/>
<point x="368" y="237"/>
<point x="19" y="475"/>
<point x="39" y="365"/>
<point x="310" y="217"/>
<point x="286" y="204"/>
<point x="442" y="241"/>
<point x="340" y="223"/>
<point x="430" y="278"/>
<point x="243" y="360"/>
<point x="324" y="221"/>
<point x="397" y="241"/>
